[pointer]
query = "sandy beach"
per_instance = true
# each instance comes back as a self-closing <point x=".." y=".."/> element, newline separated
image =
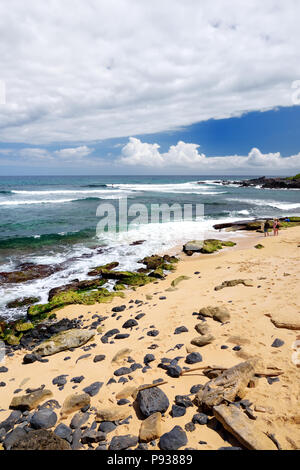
<point x="274" y="294"/>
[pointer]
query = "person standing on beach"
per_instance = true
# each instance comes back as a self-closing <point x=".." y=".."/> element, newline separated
<point x="266" y="228"/>
<point x="276" y="227"/>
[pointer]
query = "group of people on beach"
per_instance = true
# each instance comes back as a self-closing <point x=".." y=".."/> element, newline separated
<point x="267" y="225"/>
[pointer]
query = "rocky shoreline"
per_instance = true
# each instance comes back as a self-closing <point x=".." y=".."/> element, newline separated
<point x="162" y="389"/>
<point x="264" y="183"/>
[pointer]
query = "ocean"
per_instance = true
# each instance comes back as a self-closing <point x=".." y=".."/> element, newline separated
<point x="53" y="219"/>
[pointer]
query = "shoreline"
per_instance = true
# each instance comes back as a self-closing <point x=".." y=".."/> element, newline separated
<point x="274" y="271"/>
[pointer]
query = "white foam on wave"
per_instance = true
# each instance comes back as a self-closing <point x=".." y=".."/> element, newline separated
<point x="159" y="238"/>
<point x="277" y="204"/>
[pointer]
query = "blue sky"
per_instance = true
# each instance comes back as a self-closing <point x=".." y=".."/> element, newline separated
<point x="210" y="89"/>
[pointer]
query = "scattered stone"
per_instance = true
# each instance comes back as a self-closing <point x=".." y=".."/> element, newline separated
<point x="41" y="440"/>
<point x="245" y="431"/>
<point x="122" y="371"/>
<point x="152" y="400"/>
<point x="220" y="314"/>
<point x="113" y="413"/>
<point x="77" y="380"/>
<point x="79" y="419"/>
<point x="202" y="340"/>
<point x="202" y="328"/>
<point x="151" y="428"/>
<point x="93" y="389"/>
<point x="43" y="419"/>
<point x="190" y="427"/>
<point x="183" y="400"/>
<point x="174" y="439"/>
<point x="193" y="358"/>
<point x="91" y="436"/>
<point x="130" y="323"/>
<point x="123" y="442"/>
<point x="75" y="402"/>
<point x="10" y="422"/>
<point x="200" y="418"/>
<point x="64" y="432"/>
<point x="196" y="388"/>
<point x="99" y="358"/>
<point x="122" y="336"/>
<point x="121" y="308"/>
<point x="60" y="380"/>
<point x="64" y="340"/>
<point x="149" y="358"/>
<point x="30" y="400"/>
<point x="107" y="427"/>
<point x="277" y="343"/>
<point x="235" y="282"/>
<point x="153" y="333"/>
<point x="181" y="329"/>
<point x="178" y="411"/>
<point x="14" y="437"/>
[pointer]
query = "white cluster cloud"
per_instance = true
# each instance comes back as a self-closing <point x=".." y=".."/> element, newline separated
<point x="85" y="70"/>
<point x="186" y="157"/>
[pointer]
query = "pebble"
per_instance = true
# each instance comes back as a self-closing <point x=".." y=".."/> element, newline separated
<point x="99" y="358"/>
<point x="93" y="389"/>
<point x="174" y="439"/>
<point x="153" y="333"/>
<point x="183" y="400"/>
<point x="200" y="418"/>
<point x="122" y="336"/>
<point x="181" y="329"/>
<point x="121" y="308"/>
<point x="190" y="427"/>
<point x="43" y="419"/>
<point x="277" y="343"/>
<point x="130" y="323"/>
<point x="123" y="442"/>
<point x="64" y="432"/>
<point x="152" y="400"/>
<point x="193" y="358"/>
<point x="122" y="371"/>
<point x="107" y="427"/>
<point x="178" y="411"/>
<point x="149" y="358"/>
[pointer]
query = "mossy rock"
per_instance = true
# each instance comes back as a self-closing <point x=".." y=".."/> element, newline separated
<point x="259" y="246"/>
<point x="23" y="302"/>
<point x="22" y="325"/>
<point x="129" y="278"/>
<point x="158" y="273"/>
<point x="228" y="243"/>
<point x="118" y="287"/>
<point x="98" y="269"/>
<point x="12" y="339"/>
<point x="69" y="298"/>
<point x="211" y="245"/>
<point x="178" y="280"/>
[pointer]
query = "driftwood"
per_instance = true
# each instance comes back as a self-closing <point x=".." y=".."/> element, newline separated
<point x="227" y="386"/>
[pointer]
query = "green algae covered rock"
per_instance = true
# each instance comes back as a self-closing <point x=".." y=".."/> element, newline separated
<point x="259" y="246"/>
<point x="211" y="245"/>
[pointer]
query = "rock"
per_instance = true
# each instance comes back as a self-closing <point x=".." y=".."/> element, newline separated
<point x="76" y="286"/>
<point x="202" y="328"/>
<point x="149" y="358"/>
<point x="43" y="419"/>
<point x="235" y="282"/>
<point x="93" y="389"/>
<point x="22" y="302"/>
<point x="244" y="430"/>
<point x="28" y="272"/>
<point x="10" y="422"/>
<point x="152" y="400"/>
<point x="183" y="400"/>
<point x="60" y="380"/>
<point x="123" y="442"/>
<point x="227" y="386"/>
<point x="202" y="340"/>
<point x="173" y="370"/>
<point x="121" y="354"/>
<point x="151" y="428"/>
<point x="190" y="427"/>
<point x="13" y="437"/>
<point x="178" y="411"/>
<point x="126" y="392"/>
<point x="99" y="358"/>
<point x="288" y="320"/>
<point x="79" y="419"/>
<point x="75" y="402"/>
<point x="178" y="280"/>
<point x="153" y="333"/>
<point x="29" y="358"/>
<point x="30" y="400"/>
<point x="196" y="388"/>
<point x="107" y="427"/>
<point x="193" y="358"/>
<point x="64" y="432"/>
<point x="193" y="246"/>
<point x="122" y="371"/>
<point x="181" y="329"/>
<point x="113" y="413"/>
<point x="174" y="439"/>
<point x="200" y="418"/>
<point x="130" y="323"/>
<point x="91" y="436"/>
<point x="122" y="336"/>
<point x="41" y="440"/>
<point x="220" y="314"/>
<point x="65" y="340"/>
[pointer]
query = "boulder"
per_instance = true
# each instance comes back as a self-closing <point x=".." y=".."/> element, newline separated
<point x="151" y="428"/>
<point x="202" y="340"/>
<point x="41" y="440"/>
<point x="64" y="340"/>
<point x="30" y="400"/>
<point x="220" y="314"/>
<point x="43" y="419"/>
<point x="242" y="428"/>
<point x="152" y="400"/>
<point x="174" y="439"/>
<point x="113" y="413"/>
<point x="74" y="402"/>
<point x="193" y="246"/>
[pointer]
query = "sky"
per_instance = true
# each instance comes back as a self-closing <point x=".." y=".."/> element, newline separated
<point x="139" y="87"/>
